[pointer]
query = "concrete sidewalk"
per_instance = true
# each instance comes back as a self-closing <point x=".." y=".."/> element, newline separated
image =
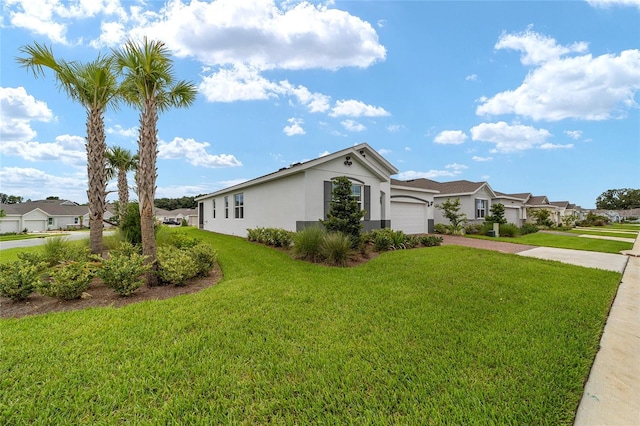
<point x="612" y="393"/>
<point x="589" y="259"/>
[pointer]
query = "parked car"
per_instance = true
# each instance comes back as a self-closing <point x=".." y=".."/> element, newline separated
<point x="171" y="221"/>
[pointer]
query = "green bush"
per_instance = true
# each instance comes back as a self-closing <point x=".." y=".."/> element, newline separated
<point x="271" y="236"/>
<point x="509" y="230"/>
<point x="165" y="236"/>
<point x="122" y="272"/>
<point x="389" y="239"/>
<point x="19" y="279"/>
<point x="205" y="257"/>
<point x="335" y="248"/>
<point x="382" y="240"/>
<point x="125" y="249"/>
<point x="58" y="249"/>
<point x="528" y="228"/>
<point x="175" y="266"/>
<point x="430" y="240"/>
<point x="478" y="228"/>
<point x="306" y="243"/>
<point x="68" y="280"/>
<point x="440" y="228"/>
<point x="33" y="258"/>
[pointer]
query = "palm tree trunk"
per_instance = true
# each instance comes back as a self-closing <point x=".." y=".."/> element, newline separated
<point x="147" y="152"/>
<point x="96" y="192"/>
<point x="123" y="192"/>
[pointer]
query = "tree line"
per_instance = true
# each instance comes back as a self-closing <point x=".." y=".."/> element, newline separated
<point x="140" y="75"/>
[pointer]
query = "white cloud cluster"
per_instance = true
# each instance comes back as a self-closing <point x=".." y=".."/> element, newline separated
<point x="195" y="153"/>
<point x="18" y="110"/>
<point x="353" y="108"/>
<point x="431" y="174"/>
<point x="353" y="126"/>
<point x="35" y="184"/>
<point x="450" y="137"/>
<point x="294" y="127"/>
<point x="513" y="137"/>
<point x="580" y="87"/>
<point x="609" y="3"/>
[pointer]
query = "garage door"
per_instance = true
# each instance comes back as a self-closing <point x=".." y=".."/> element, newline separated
<point x="409" y="217"/>
<point x="7" y="225"/>
<point x="35" y="225"/>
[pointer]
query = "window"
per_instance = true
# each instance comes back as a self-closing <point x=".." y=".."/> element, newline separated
<point x="76" y="220"/>
<point x="226" y="207"/>
<point x="481" y="208"/>
<point x="238" y="204"/>
<point x="356" y="191"/>
<point x="50" y="221"/>
<point x="214" y="208"/>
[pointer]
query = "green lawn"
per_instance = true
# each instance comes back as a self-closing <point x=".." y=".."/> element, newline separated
<point x="544" y="239"/>
<point x="27" y="236"/>
<point x="442" y="335"/>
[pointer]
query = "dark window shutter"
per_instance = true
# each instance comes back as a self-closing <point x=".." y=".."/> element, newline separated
<point x="328" y="187"/>
<point x="367" y="202"/>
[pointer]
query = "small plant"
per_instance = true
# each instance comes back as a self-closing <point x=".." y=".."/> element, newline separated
<point x="509" y="230"/>
<point x="205" y="257"/>
<point x="335" y="248"/>
<point x="382" y="240"/>
<point x="122" y="272"/>
<point x="19" y="279"/>
<point x="275" y="237"/>
<point x="306" y="243"/>
<point x="68" y="280"/>
<point x="528" y="228"/>
<point x="451" y="210"/>
<point x="58" y="249"/>
<point x="440" y="228"/>
<point x="125" y="249"/>
<point x="175" y="266"/>
<point x="430" y="240"/>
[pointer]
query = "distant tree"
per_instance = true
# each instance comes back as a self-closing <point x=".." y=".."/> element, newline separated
<point x="344" y="211"/>
<point x="10" y="199"/>
<point x="51" y="197"/>
<point x="451" y="210"/>
<point x="119" y="162"/>
<point x="619" y="199"/>
<point x="542" y="217"/>
<point x="176" y="203"/>
<point x="497" y="214"/>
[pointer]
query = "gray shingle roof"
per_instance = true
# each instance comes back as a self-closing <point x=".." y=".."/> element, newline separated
<point x="50" y="207"/>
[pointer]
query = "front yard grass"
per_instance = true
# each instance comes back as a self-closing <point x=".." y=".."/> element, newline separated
<point x="27" y="236"/>
<point x="441" y="335"/>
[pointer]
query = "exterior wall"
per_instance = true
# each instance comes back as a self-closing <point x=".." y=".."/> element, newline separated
<point x="408" y="196"/>
<point x="514" y="211"/>
<point x="36" y="221"/>
<point x="10" y="224"/>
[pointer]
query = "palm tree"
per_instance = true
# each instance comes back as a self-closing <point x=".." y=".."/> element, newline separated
<point x="119" y="162"/>
<point x="94" y="85"/>
<point x="149" y="85"/>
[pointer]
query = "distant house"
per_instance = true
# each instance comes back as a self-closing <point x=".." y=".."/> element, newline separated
<point x="515" y="210"/>
<point x="541" y="202"/>
<point x="45" y="215"/>
<point x="171" y="216"/>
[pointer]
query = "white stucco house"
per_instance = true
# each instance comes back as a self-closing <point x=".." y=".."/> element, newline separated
<point x="297" y="196"/>
<point x="45" y="215"/>
<point x="515" y="210"/>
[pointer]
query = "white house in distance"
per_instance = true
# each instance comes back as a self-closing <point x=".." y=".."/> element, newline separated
<point x="297" y="196"/>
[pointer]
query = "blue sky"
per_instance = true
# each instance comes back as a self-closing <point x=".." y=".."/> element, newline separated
<point x="539" y="97"/>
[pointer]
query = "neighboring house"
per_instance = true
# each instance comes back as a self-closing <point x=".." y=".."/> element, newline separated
<point x="164" y="216"/>
<point x="45" y="215"/>
<point x="298" y="196"/>
<point x="515" y="210"/>
<point x="541" y="202"/>
<point x="475" y="197"/>
<point x="412" y="207"/>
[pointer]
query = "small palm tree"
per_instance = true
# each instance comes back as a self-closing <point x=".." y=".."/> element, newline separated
<point x="94" y="85"/>
<point x="119" y="162"/>
<point x="149" y="85"/>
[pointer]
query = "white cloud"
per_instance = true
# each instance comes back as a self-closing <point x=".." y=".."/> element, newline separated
<point x="509" y="138"/>
<point x="582" y="87"/>
<point x="393" y="128"/>
<point x="353" y="126"/>
<point x="67" y="149"/>
<point x="481" y="159"/>
<point x="537" y="48"/>
<point x="574" y="134"/>
<point x="450" y="137"/>
<point x="353" y="108"/>
<point x="294" y="127"/>
<point x="472" y="77"/>
<point x="431" y="174"/>
<point x="131" y="132"/>
<point x="550" y="146"/>
<point x="264" y="34"/>
<point x="18" y="110"/>
<point x="608" y="3"/>
<point x="178" y="191"/>
<point x="195" y="153"/>
<point x="456" y="166"/>
<point x="35" y="184"/>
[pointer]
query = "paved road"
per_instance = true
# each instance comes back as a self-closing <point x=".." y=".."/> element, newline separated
<point x="73" y="236"/>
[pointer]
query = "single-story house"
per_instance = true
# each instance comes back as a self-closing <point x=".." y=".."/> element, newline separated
<point x="45" y="215"/>
<point x="297" y="196"/>
<point x="191" y="215"/>
<point x="541" y="202"/>
<point x="515" y="210"/>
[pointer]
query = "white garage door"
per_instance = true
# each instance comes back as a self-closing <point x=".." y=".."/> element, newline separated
<point x="35" y="225"/>
<point x="409" y="217"/>
<point x="7" y="225"/>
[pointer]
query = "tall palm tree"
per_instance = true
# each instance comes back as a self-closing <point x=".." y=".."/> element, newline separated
<point x="94" y="85"/>
<point x="119" y="162"/>
<point x="149" y="85"/>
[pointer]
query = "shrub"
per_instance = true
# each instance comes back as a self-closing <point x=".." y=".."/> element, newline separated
<point x="306" y="243"/>
<point x="205" y="257"/>
<point x="430" y="240"/>
<point x="478" y="228"/>
<point x="164" y="236"/>
<point x="411" y="241"/>
<point x="58" y="249"/>
<point x="122" y="272"/>
<point x="528" y="228"/>
<point x="175" y="266"/>
<point x="344" y="213"/>
<point x="125" y="249"/>
<point x="382" y="240"/>
<point x="19" y="279"/>
<point x="67" y="281"/>
<point x="335" y="248"/>
<point x="509" y="230"/>
<point x="33" y="259"/>
<point x="440" y="228"/>
<point x="271" y="236"/>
